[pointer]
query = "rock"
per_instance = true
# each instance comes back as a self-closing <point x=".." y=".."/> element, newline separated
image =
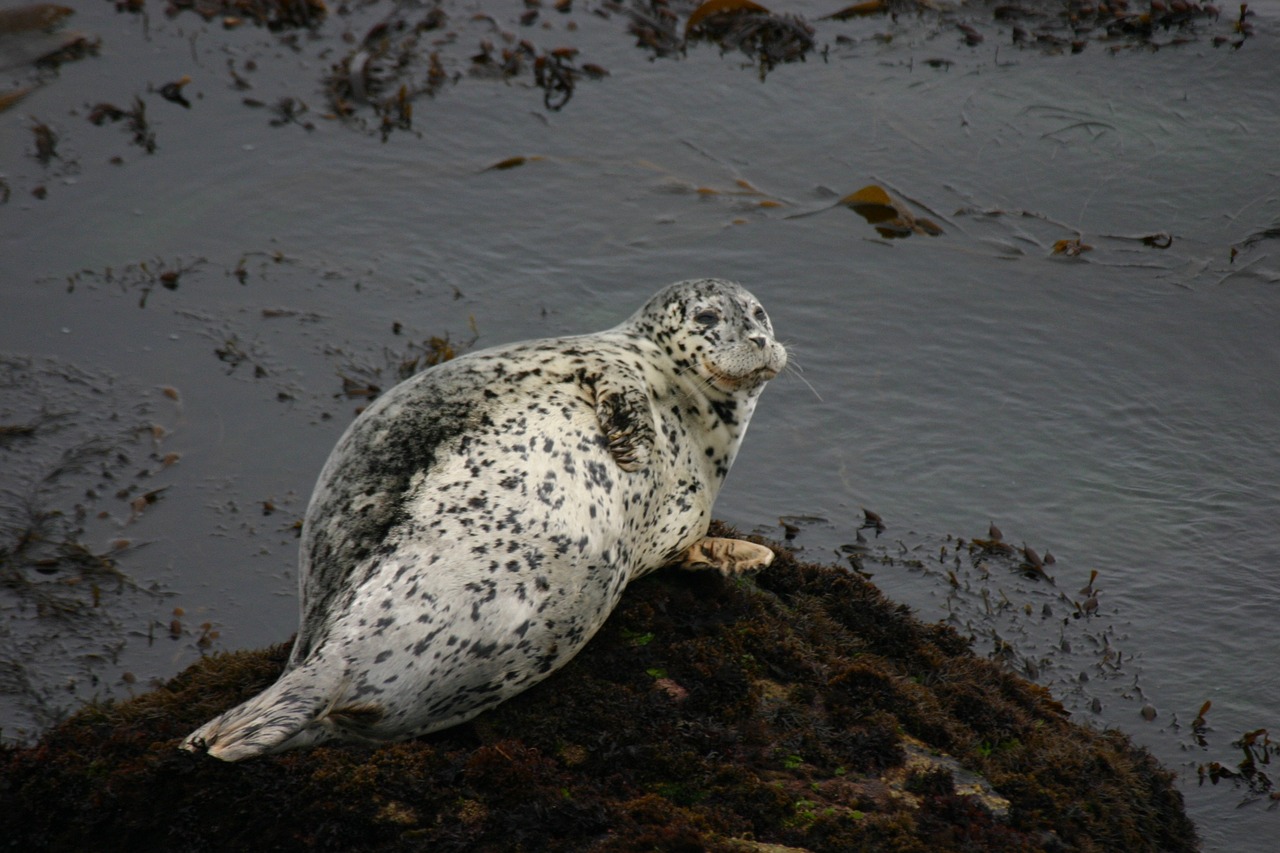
<point x="813" y="714"/>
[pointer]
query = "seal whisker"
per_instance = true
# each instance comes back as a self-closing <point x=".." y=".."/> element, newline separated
<point x="797" y="370"/>
<point x="798" y="373"/>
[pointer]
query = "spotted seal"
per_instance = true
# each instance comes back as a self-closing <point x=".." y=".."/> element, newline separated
<point x="476" y="525"/>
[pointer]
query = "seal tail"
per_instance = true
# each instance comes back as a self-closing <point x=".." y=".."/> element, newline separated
<point x="290" y="713"/>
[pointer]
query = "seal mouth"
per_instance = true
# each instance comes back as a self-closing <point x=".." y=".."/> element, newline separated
<point x="731" y="382"/>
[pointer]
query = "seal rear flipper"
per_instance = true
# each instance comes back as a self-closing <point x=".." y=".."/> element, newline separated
<point x="288" y="714"/>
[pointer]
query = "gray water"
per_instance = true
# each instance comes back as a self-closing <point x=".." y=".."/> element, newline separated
<point x="1120" y="409"/>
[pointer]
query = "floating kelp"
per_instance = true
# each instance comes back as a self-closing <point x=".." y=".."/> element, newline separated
<point x="714" y="8"/>
<point x="512" y="163"/>
<point x="172" y="91"/>
<point x="891" y="218"/>
<point x="859" y="10"/>
<point x="800" y="709"/>
<point x="1249" y="772"/>
<point x="1071" y="248"/>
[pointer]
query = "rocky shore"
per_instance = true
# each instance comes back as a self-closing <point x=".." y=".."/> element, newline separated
<point x="797" y="710"/>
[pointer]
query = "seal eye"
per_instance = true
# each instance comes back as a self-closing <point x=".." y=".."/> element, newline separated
<point x="706" y="318"/>
<point x="760" y="315"/>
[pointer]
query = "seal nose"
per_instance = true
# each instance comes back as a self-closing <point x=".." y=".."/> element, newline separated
<point x="759" y="341"/>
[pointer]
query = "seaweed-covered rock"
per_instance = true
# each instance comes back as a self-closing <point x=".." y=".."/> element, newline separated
<point x="800" y="709"/>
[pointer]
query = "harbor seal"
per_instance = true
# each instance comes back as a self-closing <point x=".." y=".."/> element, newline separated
<point x="476" y="525"/>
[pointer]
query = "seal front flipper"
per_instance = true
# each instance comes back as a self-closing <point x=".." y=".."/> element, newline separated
<point x="727" y="556"/>
<point x="627" y="421"/>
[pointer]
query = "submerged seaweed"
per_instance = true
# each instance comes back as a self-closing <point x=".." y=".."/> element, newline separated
<point x="801" y="709"/>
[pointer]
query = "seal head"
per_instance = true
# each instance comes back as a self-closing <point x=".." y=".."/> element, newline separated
<point x="722" y="333"/>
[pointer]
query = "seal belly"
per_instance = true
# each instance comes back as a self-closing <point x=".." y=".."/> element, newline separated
<point x="510" y="557"/>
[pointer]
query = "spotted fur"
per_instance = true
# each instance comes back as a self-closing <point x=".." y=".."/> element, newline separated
<point x="477" y="524"/>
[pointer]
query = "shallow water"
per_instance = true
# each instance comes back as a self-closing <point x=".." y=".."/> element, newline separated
<point x="1119" y="409"/>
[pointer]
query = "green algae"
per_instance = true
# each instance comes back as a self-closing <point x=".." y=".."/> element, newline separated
<point x="799" y="709"/>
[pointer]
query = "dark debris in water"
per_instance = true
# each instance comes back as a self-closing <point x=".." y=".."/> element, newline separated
<point x="389" y="68"/>
<point x="1248" y="772"/>
<point x="143" y="277"/>
<point x="769" y="39"/>
<point x="417" y="50"/>
<point x="273" y="14"/>
<point x="1062" y="27"/>
<point x="1002" y="597"/>
<point x="411" y="54"/>
<point x="1067" y="26"/>
<point x="800" y="709"/>
<point x="46" y="142"/>
<point x="135" y="119"/>
<point x="362" y="381"/>
<point x="61" y="465"/>
<point x="82" y="460"/>
<point x="1053" y="27"/>
<point x="656" y="27"/>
